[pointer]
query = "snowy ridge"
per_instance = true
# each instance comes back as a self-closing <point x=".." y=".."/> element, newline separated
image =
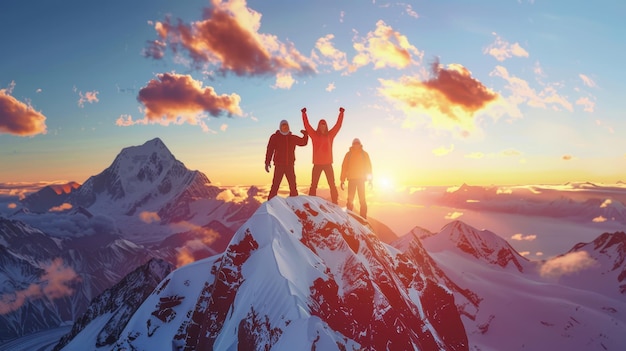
<point x="118" y="303"/>
<point x="528" y="309"/>
<point x="300" y="274"/>
<point x="607" y="275"/>
<point x="481" y="244"/>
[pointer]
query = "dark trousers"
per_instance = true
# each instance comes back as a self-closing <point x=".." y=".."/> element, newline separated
<point x="280" y="171"/>
<point x="357" y="186"/>
<point x="330" y="177"/>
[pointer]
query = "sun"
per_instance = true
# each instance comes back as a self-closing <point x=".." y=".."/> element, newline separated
<point x="385" y="183"/>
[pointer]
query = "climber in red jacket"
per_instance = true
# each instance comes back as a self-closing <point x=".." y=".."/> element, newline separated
<point x="282" y="149"/>
<point x="322" y="139"/>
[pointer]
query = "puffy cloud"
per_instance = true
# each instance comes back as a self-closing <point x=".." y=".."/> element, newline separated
<point x="53" y="284"/>
<point x="523" y="93"/>
<point x="284" y="80"/>
<point x="453" y="215"/>
<point x="228" y="36"/>
<point x="90" y="97"/>
<point x="599" y="219"/>
<point x="502" y="50"/>
<point x="12" y="205"/>
<point x="384" y="47"/>
<point x="522" y="237"/>
<point x="18" y="118"/>
<point x="504" y="191"/>
<point x="410" y="11"/>
<point x="330" y="87"/>
<point x="327" y="54"/>
<point x="567" y="264"/>
<point x="233" y="194"/>
<point x="450" y="99"/>
<point x="204" y="237"/>
<point x="567" y="157"/>
<point x="587" y="81"/>
<point x="176" y="98"/>
<point x="149" y="217"/>
<point x="586" y="103"/>
<point x="606" y="203"/>
<point x="442" y="151"/>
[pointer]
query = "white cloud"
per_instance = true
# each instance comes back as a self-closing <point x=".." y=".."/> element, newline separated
<point x="522" y="237"/>
<point x="453" y="215"/>
<point x="599" y="219"/>
<point x="567" y="264"/>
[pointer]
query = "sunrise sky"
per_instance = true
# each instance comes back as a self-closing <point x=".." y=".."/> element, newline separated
<point x="439" y="92"/>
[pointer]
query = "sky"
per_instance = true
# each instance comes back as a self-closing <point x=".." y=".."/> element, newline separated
<point x="439" y="92"/>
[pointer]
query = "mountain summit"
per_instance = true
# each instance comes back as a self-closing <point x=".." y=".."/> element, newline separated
<point x="144" y="178"/>
<point x="300" y="274"/>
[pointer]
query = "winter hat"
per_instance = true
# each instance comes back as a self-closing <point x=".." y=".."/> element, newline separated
<point x="356" y="141"/>
<point x="284" y="121"/>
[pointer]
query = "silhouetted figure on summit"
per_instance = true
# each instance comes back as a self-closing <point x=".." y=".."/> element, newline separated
<point x="322" y="139"/>
<point x="356" y="168"/>
<point x="281" y="148"/>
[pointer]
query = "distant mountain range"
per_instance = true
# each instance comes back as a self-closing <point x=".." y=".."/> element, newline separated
<point x="148" y="255"/>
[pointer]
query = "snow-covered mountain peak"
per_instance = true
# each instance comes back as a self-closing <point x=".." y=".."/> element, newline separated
<point x="482" y="244"/>
<point x="147" y="178"/>
<point x="300" y="274"/>
<point x="147" y="163"/>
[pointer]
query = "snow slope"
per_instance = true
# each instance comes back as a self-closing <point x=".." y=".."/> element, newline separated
<point x="526" y="309"/>
<point x="300" y="274"/>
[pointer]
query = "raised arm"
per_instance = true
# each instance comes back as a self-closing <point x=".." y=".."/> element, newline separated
<point x="303" y="140"/>
<point x="335" y="129"/>
<point x="305" y="120"/>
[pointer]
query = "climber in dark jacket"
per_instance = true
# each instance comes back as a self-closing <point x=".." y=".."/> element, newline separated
<point x="281" y="148"/>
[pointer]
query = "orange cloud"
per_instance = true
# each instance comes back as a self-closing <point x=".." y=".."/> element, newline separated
<point x="12" y="205"/>
<point x="64" y="206"/>
<point x="567" y="157"/>
<point x="450" y="99"/>
<point x="178" y="99"/>
<point x="149" y="217"/>
<point x="90" y="97"/>
<point x="18" y="118"/>
<point x="599" y="219"/>
<point x="502" y="50"/>
<point x="384" y="48"/>
<point x="228" y="36"/>
<point x="54" y="284"/>
<point x="204" y="237"/>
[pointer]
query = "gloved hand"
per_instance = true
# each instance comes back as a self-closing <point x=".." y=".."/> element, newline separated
<point x="341" y="109"/>
<point x="267" y="167"/>
<point x="303" y="131"/>
<point x="303" y="110"/>
<point x="342" y="186"/>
